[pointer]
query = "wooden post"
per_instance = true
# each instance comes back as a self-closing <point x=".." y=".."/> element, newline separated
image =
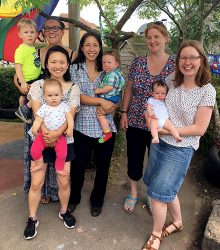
<point x="74" y="33"/>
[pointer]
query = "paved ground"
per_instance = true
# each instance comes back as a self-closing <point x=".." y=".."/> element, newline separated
<point x="113" y="229"/>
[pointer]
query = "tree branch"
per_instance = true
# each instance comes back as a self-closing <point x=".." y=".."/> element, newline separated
<point x="125" y="35"/>
<point x="104" y="16"/>
<point x="175" y="8"/>
<point x="207" y="13"/>
<point x="170" y="15"/>
<point x="130" y="10"/>
<point x="74" y="22"/>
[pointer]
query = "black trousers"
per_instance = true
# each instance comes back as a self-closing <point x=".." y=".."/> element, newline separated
<point x="83" y="146"/>
<point x="137" y="141"/>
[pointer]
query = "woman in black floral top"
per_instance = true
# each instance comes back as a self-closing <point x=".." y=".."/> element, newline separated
<point x="157" y="65"/>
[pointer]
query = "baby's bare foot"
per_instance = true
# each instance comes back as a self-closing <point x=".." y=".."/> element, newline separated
<point x="178" y="139"/>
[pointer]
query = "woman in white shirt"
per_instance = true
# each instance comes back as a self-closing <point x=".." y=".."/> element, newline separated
<point x="190" y="102"/>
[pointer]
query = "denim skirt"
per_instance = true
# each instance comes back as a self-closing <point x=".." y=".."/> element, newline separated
<point x="166" y="170"/>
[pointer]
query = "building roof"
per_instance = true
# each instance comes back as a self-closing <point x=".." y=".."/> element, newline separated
<point x="137" y="44"/>
<point x="141" y="29"/>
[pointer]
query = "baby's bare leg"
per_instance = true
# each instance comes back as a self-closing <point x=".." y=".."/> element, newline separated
<point x="173" y="131"/>
<point x="153" y="129"/>
<point x="103" y="123"/>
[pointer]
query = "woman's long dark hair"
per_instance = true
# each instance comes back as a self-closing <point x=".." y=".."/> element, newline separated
<point x="58" y="48"/>
<point x="81" y="57"/>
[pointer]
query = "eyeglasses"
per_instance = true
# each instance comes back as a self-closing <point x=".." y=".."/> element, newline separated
<point x="156" y="22"/>
<point x="191" y="58"/>
<point x="53" y="28"/>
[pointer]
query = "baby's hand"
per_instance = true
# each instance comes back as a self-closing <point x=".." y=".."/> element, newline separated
<point x="96" y="91"/>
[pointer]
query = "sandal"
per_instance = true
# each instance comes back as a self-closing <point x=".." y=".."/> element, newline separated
<point x="150" y="242"/>
<point x="130" y="203"/>
<point x="45" y="200"/>
<point x="165" y="233"/>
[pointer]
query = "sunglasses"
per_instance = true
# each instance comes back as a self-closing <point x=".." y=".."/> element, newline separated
<point x="156" y="22"/>
<point x="53" y="28"/>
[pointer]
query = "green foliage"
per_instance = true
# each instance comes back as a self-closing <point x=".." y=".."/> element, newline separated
<point x="208" y="139"/>
<point x="216" y="82"/>
<point x="218" y="96"/>
<point x="9" y="94"/>
<point x="26" y="5"/>
<point x="117" y="156"/>
<point x="193" y="18"/>
<point x="174" y="39"/>
<point x="212" y="35"/>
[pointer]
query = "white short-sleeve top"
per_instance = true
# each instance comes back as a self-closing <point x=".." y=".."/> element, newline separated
<point x="54" y="116"/>
<point x="182" y="105"/>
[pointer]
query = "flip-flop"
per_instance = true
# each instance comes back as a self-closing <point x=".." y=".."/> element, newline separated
<point x="45" y="200"/>
<point x="129" y="204"/>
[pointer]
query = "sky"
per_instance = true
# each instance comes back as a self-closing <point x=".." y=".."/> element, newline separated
<point x="91" y="14"/>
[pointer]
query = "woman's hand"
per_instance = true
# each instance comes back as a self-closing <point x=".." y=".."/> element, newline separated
<point x="23" y="90"/>
<point x="69" y="132"/>
<point x="34" y="131"/>
<point x="100" y="111"/>
<point x="124" y="121"/>
<point x="50" y="136"/>
<point x="107" y="106"/>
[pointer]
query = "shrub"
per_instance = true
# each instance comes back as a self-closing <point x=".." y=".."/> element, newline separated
<point x="208" y="139"/>
<point x="9" y="94"/>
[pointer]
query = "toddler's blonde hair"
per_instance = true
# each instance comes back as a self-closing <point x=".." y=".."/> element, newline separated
<point x="26" y="21"/>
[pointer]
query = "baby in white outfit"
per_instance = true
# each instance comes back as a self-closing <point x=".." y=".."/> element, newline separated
<point x="157" y="112"/>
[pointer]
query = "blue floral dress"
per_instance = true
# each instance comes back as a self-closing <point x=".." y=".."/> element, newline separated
<point x="142" y="81"/>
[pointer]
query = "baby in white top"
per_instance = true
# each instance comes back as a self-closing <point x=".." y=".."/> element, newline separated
<point x="54" y="113"/>
<point x="157" y="112"/>
<point x="53" y="117"/>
